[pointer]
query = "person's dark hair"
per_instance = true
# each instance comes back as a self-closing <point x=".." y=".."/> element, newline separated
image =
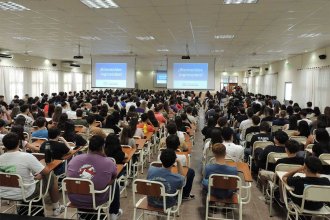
<point x="255" y="120"/>
<point x="53" y="133"/>
<point x="90" y="119"/>
<point x="289" y="110"/>
<point x="227" y="133"/>
<point x="250" y="112"/>
<point x="293" y="122"/>
<point x="167" y="157"/>
<point x="292" y="146"/>
<point x="171" y="128"/>
<point x="2" y="123"/>
<point x="178" y="122"/>
<point x="10" y="141"/>
<point x="172" y="142"/>
<point x="57" y="114"/>
<point x="296" y="109"/>
<point x="125" y="135"/>
<point x="309" y="104"/>
<point x="242" y="110"/>
<point x="313" y="164"/>
<point x="189" y="110"/>
<point x="18" y="129"/>
<point x="282" y="113"/>
<point x="79" y="113"/>
<point x="24" y="107"/>
<point x="20" y="120"/>
<point x="303" y="128"/>
<point x="144" y="117"/>
<point x="264" y="126"/>
<point x="112" y="145"/>
<point x="152" y="118"/>
<point x="322" y="136"/>
<point x="322" y="121"/>
<point x="216" y="136"/>
<point x="303" y="113"/>
<point x="40" y="122"/>
<point x="281" y="137"/>
<point x="132" y="124"/>
<point x="69" y="127"/>
<point x="222" y="121"/>
<point x="317" y="111"/>
<point x="96" y="143"/>
<point x="211" y="122"/>
<point x="219" y="149"/>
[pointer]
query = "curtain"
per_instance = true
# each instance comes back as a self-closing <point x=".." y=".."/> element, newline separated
<point x="4" y="82"/>
<point x="270" y="84"/>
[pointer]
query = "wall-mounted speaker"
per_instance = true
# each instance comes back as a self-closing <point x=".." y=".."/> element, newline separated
<point x="266" y="69"/>
<point x="323" y="57"/>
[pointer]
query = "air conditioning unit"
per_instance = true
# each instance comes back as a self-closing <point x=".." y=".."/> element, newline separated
<point x="66" y="64"/>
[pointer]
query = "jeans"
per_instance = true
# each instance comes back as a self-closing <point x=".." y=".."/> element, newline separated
<point x="189" y="182"/>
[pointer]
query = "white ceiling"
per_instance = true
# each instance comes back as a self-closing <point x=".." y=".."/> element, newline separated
<point x="264" y="32"/>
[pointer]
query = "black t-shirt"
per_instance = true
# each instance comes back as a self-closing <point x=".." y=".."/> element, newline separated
<point x="320" y="148"/>
<point x="280" y="121"/>
<point x="252" y="129"/>
<point x="58" y="149"/>
<point x="268" y="118"/>
<point x="262" y="159"/>
<point x="299" y="184"/>
<point x="240" y="118"/>
<point x="260" y="137"/>
<point x="116" y="153"/>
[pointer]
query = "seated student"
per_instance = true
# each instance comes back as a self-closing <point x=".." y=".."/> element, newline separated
<point x="206" y="131"/>
<point x="79" y="118"/>
<point x="138" y="132"/>
<point x="172" y="129"/>
<point x="280" y="138"/>
<point x="113" y="149"/>
<point x="101" y="170"/>
<point x="71" y="136"/>
<point x="219" y="167"/>
<point x="171" y="181"/>
<point x="245" y="125"/>
<point x="190" y="117"/>
<point x="42" y="131"/>
<point x="159" y="116"/>
<point x="173" y="143"/>
<point x="255" y="127"/>
<point x="111" y="122"/>
<point x="93" y="129"/>
<point x="311" y="168"/>
<point x="264" y="135"/>
<point x="291" y="149"/>
<point x="233" y="151"/>
<point x="29" y="168"/>
<point x="145" y="124"/>
<point x="216" y="137"/>
<point x="281" y="121"/>
<point x="321" y="142"/>
<point x="126" y="137"/>
<point x="269" y="115"/>
<point x="303" y="116"/>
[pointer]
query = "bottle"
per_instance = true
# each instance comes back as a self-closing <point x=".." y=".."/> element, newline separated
<point x="145" y="128"/>
<point x="48" y="153"/>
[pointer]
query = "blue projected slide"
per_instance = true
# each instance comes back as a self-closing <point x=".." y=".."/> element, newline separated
<point x="161" y="77"/>
<point x="190" y="75"/>
<point x="111" y="75"/>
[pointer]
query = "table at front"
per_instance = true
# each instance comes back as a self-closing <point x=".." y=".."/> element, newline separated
<point x="243" y="168"/>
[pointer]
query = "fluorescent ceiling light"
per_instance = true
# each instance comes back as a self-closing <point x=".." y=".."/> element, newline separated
<point x="217" y="51"/>
<point x="99" y="4"/>
<point x="274" y="51"/>
<point x="145" y="38"/>
<point x="224" y="36"/>
<point x="23" y="38"/>
<point x="310" y="35"/>
<point x="163" y="50"/>
<point x="12" y="6"/>
<point x="236" y="2"/>
<point x="90" y="38"/>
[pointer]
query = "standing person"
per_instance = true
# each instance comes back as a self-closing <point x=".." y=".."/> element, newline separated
<point x="101" y="170"/>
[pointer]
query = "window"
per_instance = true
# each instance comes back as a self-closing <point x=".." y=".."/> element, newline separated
<point x="53" y="81"/>
<point x="227" y="79"/>
<point x="288" y="91"/>
<point x="37" y="82"/>
<point x="79" y="81"/>
<point x="16" y="82"/>
<point x="67" y="81"/>
<point x="88" y="82"/>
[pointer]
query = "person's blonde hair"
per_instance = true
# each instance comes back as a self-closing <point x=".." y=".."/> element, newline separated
<point x="219" y="149"/>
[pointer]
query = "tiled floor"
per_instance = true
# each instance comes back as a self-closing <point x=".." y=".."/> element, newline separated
<point x="195" y="209"/>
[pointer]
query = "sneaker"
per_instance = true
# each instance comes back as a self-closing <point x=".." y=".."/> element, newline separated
<point x="190" y="197"/>
<point x="59" y="210"/>
<point x="116" y="216"/>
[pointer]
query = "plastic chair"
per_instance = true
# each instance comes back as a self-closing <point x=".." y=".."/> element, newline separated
<point x="86" y="187"/>
<point x="311" y="193"/>
<point x="272" y="184"/>
<point x="10" y="180"/>
<point x="275" y="128"/>
<point x="225" y="182"/>
<point x="289" y="132"/>
<point x="155" y="189"/>
<point x="257" y="144"/>
<point x="324" y="157"/>
<point x="299" y="139"/>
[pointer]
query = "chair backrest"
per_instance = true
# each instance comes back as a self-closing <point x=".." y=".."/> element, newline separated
<point x="310" y="146"/>
<point x="273" y="156"/>
<point x="156" y="164"/>
<point x="286" y="167"/>
<point x="148" y="188"/>
<point x="77" y="186"/>
<point x="260" y="144"/>
<point x="324" y="157"/>
<point x="316" y="193"/>
<point x="276" y="128"/>
<point x="223" y="181"/>
<point x="249" y="136"/>
<point x="39" y="156"/>
<point x="289" y="132"/>
<point x="299" y="139"/>
<point x="126" y="146"/>
<point x="10" y="180"/>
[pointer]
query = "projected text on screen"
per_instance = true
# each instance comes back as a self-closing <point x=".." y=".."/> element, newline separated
<point x="190" y="75"/>
<point x="161" y="78"/>
<point x="111" y="75"/>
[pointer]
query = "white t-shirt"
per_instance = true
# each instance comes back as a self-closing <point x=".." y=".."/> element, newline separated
<point x="23" y="164"/>
<point x="244" y="125"/>
<point x="182" y="158"/>
<point x="191" y="118"/>
<point x="233" y="151"/>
